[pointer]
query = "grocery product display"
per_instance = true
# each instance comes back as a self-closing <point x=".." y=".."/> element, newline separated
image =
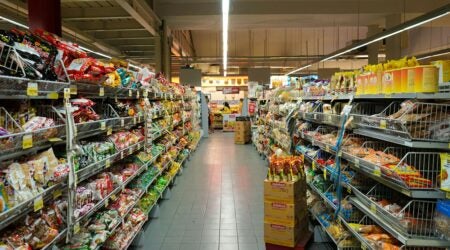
<point x="87" y="147"/>
<point x="376" y="168"/>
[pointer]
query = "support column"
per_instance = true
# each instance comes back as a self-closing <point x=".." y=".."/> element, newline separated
<point x="374" y="48"/>
<point x="393" y="43"/>
<point x="45" y="15"/>
<point x="166" y="50"/>
<point x="158" y="53"/>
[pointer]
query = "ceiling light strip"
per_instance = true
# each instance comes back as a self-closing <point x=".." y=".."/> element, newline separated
<point x="225" y="15"/>
<point x="413" y="23"/>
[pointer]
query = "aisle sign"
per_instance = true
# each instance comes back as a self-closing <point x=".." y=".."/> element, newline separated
<point x="32" y="89"/>
<point x="27" y="141"/>
<point x="38" y="203"/>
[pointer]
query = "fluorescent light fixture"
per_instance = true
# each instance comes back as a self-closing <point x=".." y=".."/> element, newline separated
<point x="396" y="30"/>
<point x="225" y="13"/>
<point x="299" y="69"/>
<point x="13" y="22"/>
<point x="435" y="55"/>
<point x="134" y="66"/>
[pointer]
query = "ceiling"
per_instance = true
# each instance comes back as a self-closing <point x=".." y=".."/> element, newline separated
<point x="282" y="34"/>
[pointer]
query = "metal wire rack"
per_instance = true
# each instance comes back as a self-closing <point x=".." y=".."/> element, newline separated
<point x="12" y="140"/>
<point x="412" y="121"/>
<point x="11" y="61"/>
<point x="413" y="218"/>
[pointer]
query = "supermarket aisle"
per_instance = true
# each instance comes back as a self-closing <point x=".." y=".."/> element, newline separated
<point x="217" y="202"/>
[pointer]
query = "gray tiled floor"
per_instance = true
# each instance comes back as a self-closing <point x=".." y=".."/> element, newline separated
<point x="216" y="204"/>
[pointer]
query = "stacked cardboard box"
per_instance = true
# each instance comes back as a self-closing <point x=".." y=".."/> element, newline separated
<point x="242" y="130"/>
<point x="285" y="212"/>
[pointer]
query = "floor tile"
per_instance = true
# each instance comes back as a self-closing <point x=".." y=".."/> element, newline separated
<point x="228" y="246"/>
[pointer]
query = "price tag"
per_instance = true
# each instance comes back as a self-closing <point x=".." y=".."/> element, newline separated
<point x="76" y="228"/>
<point x="67" y="93"/>
<point x="363" y="247"/>
<point x="313" y="142"/>
<point x="314" y="165"/>
<point x="121" y="154"/>
<point x="38" y="203"/>
<point x="145" y="93"/>
<point x="130" y="151"/>
<point x="302" y="135"/>
<point x="383" y="124"/>
<point x="325" y="173"/>
<point x="108" y="163"/>
<point x="102" y="125"/>
<point x="357" y="163"/>
<point x="315" y="116"/>
<point x="134" y="120"/>
<point x="373" y="208"/>
<point x="138" y="94"/>
<point x="377" y="172"/>
<point x="109" y="131"/>
<point x="327" y="148"/>
<point x="27" y="141"/>
<point x="122" y="122"/>
<point x="32" y="89"/>
<point x="53" y="96"/>
<point x="340" y="153"/>
<point x="113" y="197"/>
<point x="349" y="190"/>
<point x="139" y="119"/>
<point x="106" y="202"/>
<point x="130" y="93"/>
<point x="54" y="139"/>
<point x="101" y="91"/>
<point x="75" y="131"/>
<point x="73" y="89"/>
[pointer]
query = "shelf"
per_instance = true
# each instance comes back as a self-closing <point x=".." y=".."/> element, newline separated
<point x="57" y="239"/>
<point x="119" y="188"/>
<point x="424" y="241"/>
<point x="16" y="88"/>
<point x="402" y="141"/>
<point x="343" y="97"/>
<point x="98" y="166"/>
<point x="368" y="168"/>
<point x="138" y="230"/>
<point x="17" y="212"/>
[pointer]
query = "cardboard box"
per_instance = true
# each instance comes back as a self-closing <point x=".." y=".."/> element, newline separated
<point x="284" y="191"/>
<point x="284" y="234"/>
<point x="279" y="211"/>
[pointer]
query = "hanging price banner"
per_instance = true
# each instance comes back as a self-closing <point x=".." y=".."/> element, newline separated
<point x="32" y="89"/>
<point x="38" y="203"/>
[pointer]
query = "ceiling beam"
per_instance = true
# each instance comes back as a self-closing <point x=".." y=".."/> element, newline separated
<point x="297" y="7"/>
<point x="107" y="25"/>
<point x="122" y="34"/>
<point x="136" y="42"/>
<point x="113" y="30"/>
<point x="93" y="13"/>
<point x="127" y="38"/>
<point x="137" y="9"/>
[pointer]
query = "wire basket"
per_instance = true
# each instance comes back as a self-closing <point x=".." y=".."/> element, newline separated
<point x="412" y="217"/>
<point x="412" y="121"/>
<point x="10" y="61"/>
<point x="12" y="140"/>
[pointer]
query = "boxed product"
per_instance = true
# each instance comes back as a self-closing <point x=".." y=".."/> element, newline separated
<point x="280" y="211"/>
<point x="241" y="137"/>
<point x="287" y="191"/>
<point x="285" y="234"/>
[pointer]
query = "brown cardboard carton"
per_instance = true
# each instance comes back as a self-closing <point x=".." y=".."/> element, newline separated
<point x="284" y="191"/>
<point x="284" y="234"/>
<point x="283" y="211"/>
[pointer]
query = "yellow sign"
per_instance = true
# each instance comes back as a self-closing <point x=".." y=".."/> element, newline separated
<point x="108" y="163"/>
<point x="383" y="124"/>
<point x="101" y="91"/>
<point x="32" y="89"/>
<point x="53" y="96"/>
<point x="102" y="125"/>
<point x="38" y="203"/>
<point x="73" y="89"/>
<point x="27" y="141"/>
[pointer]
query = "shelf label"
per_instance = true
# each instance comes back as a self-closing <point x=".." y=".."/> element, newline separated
<point x="76" y="228"/>
<point x="357" y="163"/>
<point x="340" y="153"/>
<point x="138" y="94"/>
<point x="27" y="141"/>
<point x="57" y="193"/>
<point x="108" y="163"/>
<point x="109" y="131"/>
<point x="101" y="91"/>
<point x="139" y="119"/>
<point x="315" y="116"/>
<point x="53" y="96"/>
<point x="38" y="203"/>
<point x="73" y="89"/>
<point x="349" y="190"/>
<point x="66" y="93"/>
<point x="32" y="89"/>
<point x="363" y="247"/>
<point x="102" y="125"/>
<point x="383" y="124"/>
<point x="121" y="154"/>
<point x="130" y="151"/>
<point x="377" y="172"/>
<point x="314" y="165"/>
<point x="134" y="120"/>
<point x="145" y="93"/>
<point x="113" y="197"/>
<point x="54" y="139"/>
<point x="122" y="122"/>
<point x="107" y="202"/>
<point x="373" y="208"/>
<point x="327" y="148"/>
<point x="325" y="173"/>
<point x="130" y="93"/>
